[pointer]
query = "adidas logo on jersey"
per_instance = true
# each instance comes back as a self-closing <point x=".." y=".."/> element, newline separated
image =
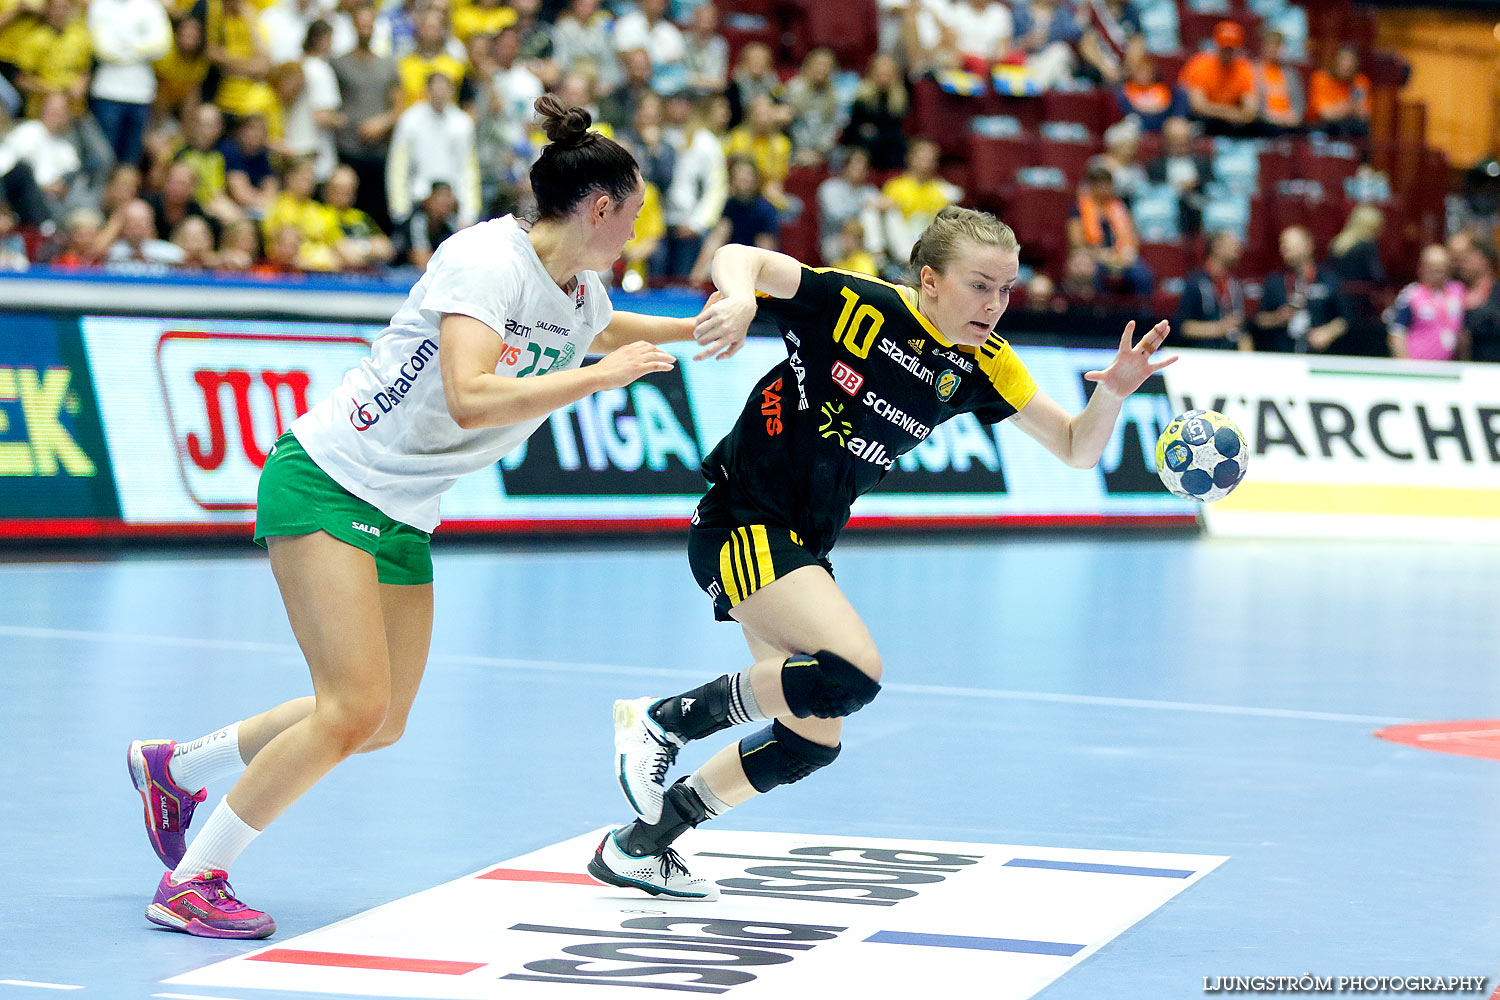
<point x="916" y="344"/>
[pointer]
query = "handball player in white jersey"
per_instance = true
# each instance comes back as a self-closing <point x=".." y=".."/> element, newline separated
<point x="488" y="343"/>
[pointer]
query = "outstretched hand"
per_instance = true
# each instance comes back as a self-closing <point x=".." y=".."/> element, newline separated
<point x="1132" y="364"/>
<point x="721" y="327"/>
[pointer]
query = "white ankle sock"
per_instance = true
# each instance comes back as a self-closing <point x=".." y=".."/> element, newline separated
<point x="715" y="805"/>
<point x="207" y="759"/>
<point x="218" y="844"/>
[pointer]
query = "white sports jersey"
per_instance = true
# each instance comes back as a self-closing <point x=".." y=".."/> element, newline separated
<point x="386" y="435"/>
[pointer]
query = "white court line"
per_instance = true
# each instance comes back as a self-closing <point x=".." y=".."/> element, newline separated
<point x="44" y="986"/>
<point x="999" y="694"/>
<point x="190" y="996"/>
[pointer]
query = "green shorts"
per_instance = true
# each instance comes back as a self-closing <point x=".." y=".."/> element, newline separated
<point x="296" y="497"/>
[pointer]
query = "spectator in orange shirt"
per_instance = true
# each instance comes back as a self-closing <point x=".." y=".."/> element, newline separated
<point x="1101" y="225"/>
<point x="1280" y="98"/>
<point x="1221" y="84"/>
<point x="1144" y="95"/>
<point x="1339" y="103"/>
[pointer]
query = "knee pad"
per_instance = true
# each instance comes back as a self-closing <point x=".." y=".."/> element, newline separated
<point x="777" y="756"/>
<point x="826" y="685"/>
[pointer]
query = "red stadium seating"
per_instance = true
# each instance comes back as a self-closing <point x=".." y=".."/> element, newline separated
<point x="1166" y="260"/>
<point x="1072" y="158"/>
<point x="994" y="163"/>
<point x="848" y="27"/>
<point x="1039" y="217"/>
<point x="942" y="117"/>
<point x="1094" y="109"/>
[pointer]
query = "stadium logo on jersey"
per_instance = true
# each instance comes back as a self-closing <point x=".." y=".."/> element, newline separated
<point x="847" y="378"/>
<point x="390" y="397"/>
<point x="967" y="364"/>
<point x="910" y="362"/>
<point x="770" y="407"/>
<point x="834" y="425"/>
<point x="799" y="370"/>
<point x="897" y="416"/>
<point x="871" y="451"/>
<point x="947" y="385"/>
<point x="916" y="344"/>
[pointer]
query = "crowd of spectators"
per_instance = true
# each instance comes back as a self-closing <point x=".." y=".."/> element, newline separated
<point x="277" y="137"/>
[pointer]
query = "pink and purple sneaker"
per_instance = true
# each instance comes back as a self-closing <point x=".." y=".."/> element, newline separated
<point x="205" y="906"/>
<point x="169" y="806"/>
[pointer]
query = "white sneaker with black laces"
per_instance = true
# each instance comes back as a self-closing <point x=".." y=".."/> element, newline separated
<point x="661" y="874"/>
<point x="643" y="753"/>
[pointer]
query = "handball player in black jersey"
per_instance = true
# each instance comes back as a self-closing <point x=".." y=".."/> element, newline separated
<point x="871" y="369"/>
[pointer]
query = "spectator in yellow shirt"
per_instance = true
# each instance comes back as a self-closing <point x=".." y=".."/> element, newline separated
<point x="361" y="243"/>
<point x="761" y="141"/>
<point x="294" y="205"/>
<point x="17" y="18"/>
<point x="203" y="130"/>
<point x="429" y="57"/>
<point x="181" y="72"/>
<point x="916" y="197"/>
<point x="56" y="54"/>
<point x="243" y="61"/>
<point x="646" y="239"/>
<point x="852" y="253"/>
<point x="482" y="17"/>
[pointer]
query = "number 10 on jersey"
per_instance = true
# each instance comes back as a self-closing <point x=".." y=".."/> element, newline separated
<point x="858" y="325"/>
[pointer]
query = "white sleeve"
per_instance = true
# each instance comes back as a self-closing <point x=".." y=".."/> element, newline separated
<point x="488" y="292"/>
<point x="107" y="36"/>
<point x="322" y="86"/>
<point x="155" y="40"/>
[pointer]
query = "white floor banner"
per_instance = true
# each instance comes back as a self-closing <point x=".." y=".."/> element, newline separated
<point x="798" y="916"/>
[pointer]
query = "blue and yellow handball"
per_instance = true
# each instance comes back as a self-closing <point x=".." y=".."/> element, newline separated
<point x="1201" y="456"/>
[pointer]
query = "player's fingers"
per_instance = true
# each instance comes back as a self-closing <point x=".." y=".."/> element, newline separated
<point x="1093" y="376"/>
<point x="1162" y="364"/>
<point x="1125" y="340"/>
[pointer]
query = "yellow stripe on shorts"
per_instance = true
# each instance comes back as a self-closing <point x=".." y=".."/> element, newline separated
<point x="763" y="555"/>
<point x="748" y="571"/>
<point x="728" y="574"/>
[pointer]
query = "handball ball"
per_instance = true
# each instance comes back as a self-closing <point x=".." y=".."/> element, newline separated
<point x="1201" y="456"/>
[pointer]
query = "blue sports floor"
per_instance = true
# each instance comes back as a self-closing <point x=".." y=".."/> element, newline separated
<point x="1142" y="694"/>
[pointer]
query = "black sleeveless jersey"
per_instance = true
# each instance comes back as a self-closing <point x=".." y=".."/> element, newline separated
<point x="866" y="379"/>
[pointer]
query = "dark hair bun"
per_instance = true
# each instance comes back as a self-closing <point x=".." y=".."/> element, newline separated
<point x="565" y="126"/>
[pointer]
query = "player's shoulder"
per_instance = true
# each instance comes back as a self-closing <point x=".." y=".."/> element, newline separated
<point x="496" y="246"/>
<point x="1005" y="370"/>
<point x="866" y="286"/>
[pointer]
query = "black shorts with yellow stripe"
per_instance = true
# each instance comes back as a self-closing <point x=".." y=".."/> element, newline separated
<point x="731" y="561"/>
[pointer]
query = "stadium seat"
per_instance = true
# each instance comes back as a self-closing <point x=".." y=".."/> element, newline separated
<point x="1039" y="215"/>
<point x="1166" y="260"/>
<point x="1330" y="164"/>
<point x="1069" y="157"/>
<point x="1093" y="109"/>
<point x="1157" y="213"/>
<point x="941" y="117"/>
<point x="1196" y="29"/>
<point x="1160" y="27"/>
<point x="849" y="28"/>
<point x="995" y="161"/>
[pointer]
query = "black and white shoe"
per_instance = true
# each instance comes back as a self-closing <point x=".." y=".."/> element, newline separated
<point x="644" y="751"/>
<point x="661" y="874"/>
